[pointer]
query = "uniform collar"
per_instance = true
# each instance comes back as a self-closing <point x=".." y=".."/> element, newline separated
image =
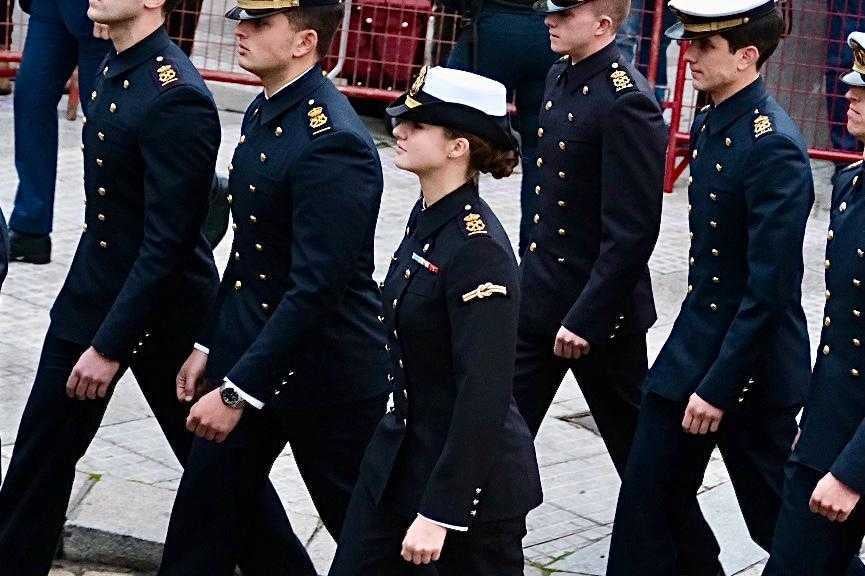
<point x="138" y="53"/>
<point x="591" y="65"/>
<point x="289" y="96"/>
<point x="742" y="102"/>
<point x="432" y="218"/>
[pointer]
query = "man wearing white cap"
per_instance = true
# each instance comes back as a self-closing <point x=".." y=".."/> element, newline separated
<point x="735" y="367"/>
<point x="822" y="523"/>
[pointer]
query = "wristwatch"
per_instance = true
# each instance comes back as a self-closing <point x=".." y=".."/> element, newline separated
<point x="231" y="398"/>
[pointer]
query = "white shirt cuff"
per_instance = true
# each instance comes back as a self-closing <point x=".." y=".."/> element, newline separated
<point x="200" y="348"/>
<point x="443" y="525"/>
<point x="252" y="401"/>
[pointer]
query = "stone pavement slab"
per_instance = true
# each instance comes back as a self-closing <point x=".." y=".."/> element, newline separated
<point x="127" y="480"/>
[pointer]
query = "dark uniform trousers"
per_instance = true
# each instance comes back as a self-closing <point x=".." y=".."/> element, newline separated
<point x="56" y="430"/>
<point x="807" y="544"/>
<point x="59" y="38"/>
<point x="598" y="216"/>
<point x="215" y="509"/>
<point x="142" y="276"/>
<point x="666" y="468"/>
<point x="491" y="548"/>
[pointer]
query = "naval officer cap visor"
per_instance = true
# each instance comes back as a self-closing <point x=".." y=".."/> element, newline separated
<point x="460" y="101"/>
<point x="702" y="18"/>
<point x="856" y="77"/>
<point x="257" y="9"/>
<point x="550" y="7"/>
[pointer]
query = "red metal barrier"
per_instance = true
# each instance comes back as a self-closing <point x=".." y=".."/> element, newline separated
<point x="802" y="75"/>
<point x="387" y="41"/>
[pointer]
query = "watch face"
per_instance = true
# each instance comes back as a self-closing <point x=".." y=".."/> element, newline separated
<point x="230" y="396"/>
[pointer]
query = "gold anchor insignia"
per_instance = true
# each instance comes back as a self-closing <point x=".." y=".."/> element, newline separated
<point x="485" y="291"/>
<point x="419" y="81"/>
<point x="167" y="74"/>
<point x="858" y="57"/>
<point x="415" y="88"/>
<point x="621" y="80"/>
<point x="474" y="224"/>
<point x="762" y="125"/>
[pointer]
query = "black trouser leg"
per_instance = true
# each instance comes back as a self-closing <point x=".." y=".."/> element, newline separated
<point x="755" y="441"/>
<point x="53" y="435"/>
<point x="664" y="471"/>
<point x="371" y="540"/>
<point x="488" y="549"/>
<point x="328" y="445"/>
<point x="215" y="508"/>
<point x="805" y="543"/>
<point x="610" y="378"/>
<point x="270" y="545"/>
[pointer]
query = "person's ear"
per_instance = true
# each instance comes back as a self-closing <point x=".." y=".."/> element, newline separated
<point x="604" y="26"/>
<point x="458" y="148"/>
<point x="747" y="56"/>
<point x="305" y="41"/>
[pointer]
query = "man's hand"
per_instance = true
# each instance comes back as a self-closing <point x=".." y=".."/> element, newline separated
<point x="423" y="542"/>
<point x="569" y="345"/>
<point x="833" y="499"/>
<point x="190" y="376"/>
<point x="101" y="31"/>
<point x="211" y="419"/>
<point x="701" y="417"/>
<point x="91" y="376"/>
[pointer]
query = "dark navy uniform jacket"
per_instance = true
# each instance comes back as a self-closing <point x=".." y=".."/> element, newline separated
<point x="454" y="447"/>
<point x="833" y="433"/>
<point x="601" y="158"/>
<point x="150" y="145"/>
<point x="297" y="305"/>
<point x="742" y="321"/>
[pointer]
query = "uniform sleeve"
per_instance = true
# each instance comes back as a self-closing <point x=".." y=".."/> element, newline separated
<point x="4" y="248"/>
<point x="179" y="143"/>
<point x="483" y="341"/>
<point x="336" y="190"/>
<point x="632" y="191"/>
<point x="849" y="467"/>
<point x="779" y="193"/>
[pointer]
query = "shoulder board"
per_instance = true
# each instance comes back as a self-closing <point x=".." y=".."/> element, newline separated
<point x="319" y="120"/>
<point x="853" y="165"/>
<point x="762" y="124"/>
<point x="472" y="224"/>
<point x="165" y="74"/>
<point x="621" y="80"/>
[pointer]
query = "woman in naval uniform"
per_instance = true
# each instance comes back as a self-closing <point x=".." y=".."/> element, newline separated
<point x="451" y="472"/>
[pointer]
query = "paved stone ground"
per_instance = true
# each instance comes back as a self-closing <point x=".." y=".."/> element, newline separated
<point x="127" y="480"/>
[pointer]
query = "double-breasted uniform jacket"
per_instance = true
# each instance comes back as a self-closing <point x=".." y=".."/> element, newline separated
<point x="150" y="144"/>
<point x="599" y="201"/>
<point x="453" y="446"/>
<point x="741" y="324"/>
<point x="297" y="305"/>
<point x="833" y="433"/>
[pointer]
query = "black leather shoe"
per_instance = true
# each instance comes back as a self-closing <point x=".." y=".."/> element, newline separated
<point x="29" y="248"/>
